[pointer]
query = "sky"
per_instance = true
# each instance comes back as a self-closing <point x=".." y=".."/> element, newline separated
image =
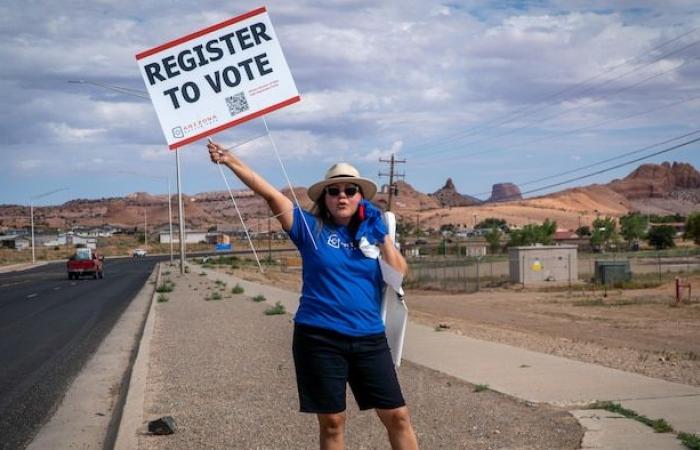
<point x="482" y="92"/>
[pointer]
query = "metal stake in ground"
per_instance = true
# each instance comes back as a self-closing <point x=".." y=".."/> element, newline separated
<point x="245" y="228"/>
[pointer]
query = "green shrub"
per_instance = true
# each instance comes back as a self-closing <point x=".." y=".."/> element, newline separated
<point x="166" y="286"/>
<point x="259" y="298"/>
<point x="162" y="298"/>
<point x="214" y="296"/>
<point x="481" y="387"/>
<point x="692" y="441"/>
<point x="277" y="309"/>
<point x="237" y="289"/>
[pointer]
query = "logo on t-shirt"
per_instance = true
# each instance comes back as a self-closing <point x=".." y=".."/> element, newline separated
<point x="334" y="240"/>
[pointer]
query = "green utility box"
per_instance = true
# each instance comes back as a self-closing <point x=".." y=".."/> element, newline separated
<point x="611" y="272"/>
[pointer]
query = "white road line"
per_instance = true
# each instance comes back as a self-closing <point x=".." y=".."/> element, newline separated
<point x="57" y="288"/>
<point x="32" y="295"/>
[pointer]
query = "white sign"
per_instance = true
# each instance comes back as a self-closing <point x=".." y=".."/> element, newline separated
<point x="217" y="78"/>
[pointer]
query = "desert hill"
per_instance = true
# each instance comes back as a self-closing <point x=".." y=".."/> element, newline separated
<point x="651" y="188"/>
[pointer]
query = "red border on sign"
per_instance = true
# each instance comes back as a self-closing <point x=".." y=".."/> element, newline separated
<point x="233" y="123"/>
<point x="200" y="33"/>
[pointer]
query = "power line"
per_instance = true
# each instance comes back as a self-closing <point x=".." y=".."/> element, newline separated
<point x="575" y="130"/>
<point x="555" y="115"/>
<point x="598" y="163"/>
<point x="608" y="169"/>
<point x="507" y="118"/>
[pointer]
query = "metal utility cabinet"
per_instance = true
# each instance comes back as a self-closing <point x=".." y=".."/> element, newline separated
<point x="543" y="263"/>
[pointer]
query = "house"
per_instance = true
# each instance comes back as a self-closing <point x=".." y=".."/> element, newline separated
<point x="568" y="237"/>
<point x="15" y="241"/>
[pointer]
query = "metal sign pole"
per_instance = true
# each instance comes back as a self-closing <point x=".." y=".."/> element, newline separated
<point x="170" y="222"/>
<point x="181" y="213"/>
<point x="31" y="213"/>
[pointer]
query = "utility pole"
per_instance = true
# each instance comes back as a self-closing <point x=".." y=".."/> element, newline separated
<point x="392" y="174"/>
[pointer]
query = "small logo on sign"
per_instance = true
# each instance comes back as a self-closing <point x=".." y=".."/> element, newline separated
<point x="177" y="132"/>
<point x="334" y="241"/>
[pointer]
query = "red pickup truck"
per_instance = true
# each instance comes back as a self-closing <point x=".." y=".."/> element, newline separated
<point x="85" y="262"/>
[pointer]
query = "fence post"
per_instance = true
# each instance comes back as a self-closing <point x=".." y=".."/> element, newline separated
<point x="478" y="281"/>
<point x="569" y="274"/>
<point x="658" y="262"/>
<point x="523" y="271"/>
<point x="466" y="276"/>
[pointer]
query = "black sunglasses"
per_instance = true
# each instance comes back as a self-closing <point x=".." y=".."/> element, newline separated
<point x="335" y="191"/>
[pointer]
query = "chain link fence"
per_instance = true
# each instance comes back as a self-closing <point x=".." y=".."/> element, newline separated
<point x="452" y="273"/>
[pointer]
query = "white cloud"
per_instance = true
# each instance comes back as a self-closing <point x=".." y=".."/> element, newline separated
<point x="438" y="82"/>
<point x="65" y="133"/>
<point x="375" y="154"/>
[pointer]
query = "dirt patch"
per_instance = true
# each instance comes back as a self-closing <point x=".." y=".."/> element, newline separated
<point x="632" y="330"/>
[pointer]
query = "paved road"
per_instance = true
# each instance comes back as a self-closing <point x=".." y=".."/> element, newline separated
<point x="49" y="327"/>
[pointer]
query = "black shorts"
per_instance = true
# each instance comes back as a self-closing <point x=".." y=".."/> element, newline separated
<point x="326" y="361"/>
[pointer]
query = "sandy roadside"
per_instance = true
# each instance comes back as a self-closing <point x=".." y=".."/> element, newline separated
<point x="223" y="369"/>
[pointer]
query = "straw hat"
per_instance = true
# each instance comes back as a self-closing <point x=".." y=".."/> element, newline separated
<point x="343" y="173"/>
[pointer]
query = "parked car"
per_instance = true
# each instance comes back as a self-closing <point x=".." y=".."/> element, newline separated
<point x="85" y="261"/>
<point x="139" y="253"/>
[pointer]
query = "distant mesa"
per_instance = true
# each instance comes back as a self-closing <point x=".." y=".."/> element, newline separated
<point x="657" y="180"/>
<point x="504" y="192"/>
<point x="449" y="197"/>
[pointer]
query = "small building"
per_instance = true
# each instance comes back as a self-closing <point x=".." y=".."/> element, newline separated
<point x="543" y="263"/>
<point x="191" y="237"/>
<point x="568" y="237"/>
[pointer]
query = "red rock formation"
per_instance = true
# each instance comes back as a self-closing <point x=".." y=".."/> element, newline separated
<point x="657" y="180"/>
<point x="448" y="196"/>
<point x="503" y="192"/>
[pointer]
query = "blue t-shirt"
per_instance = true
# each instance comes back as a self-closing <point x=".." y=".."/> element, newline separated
<point x="341" y="288"/>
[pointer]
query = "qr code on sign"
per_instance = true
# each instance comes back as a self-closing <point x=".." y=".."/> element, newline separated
<point x="237" y="103"/>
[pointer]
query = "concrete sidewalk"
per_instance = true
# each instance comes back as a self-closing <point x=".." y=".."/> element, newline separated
<point x="538" y="377"/>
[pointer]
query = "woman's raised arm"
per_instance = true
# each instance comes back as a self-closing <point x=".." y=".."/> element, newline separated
<point x="280" y="205"/>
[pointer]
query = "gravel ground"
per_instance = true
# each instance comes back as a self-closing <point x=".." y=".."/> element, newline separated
<point x="649" y="338"/>
<point x="223" y="370"/>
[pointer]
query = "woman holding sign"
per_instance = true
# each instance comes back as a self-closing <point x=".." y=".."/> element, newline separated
<point x="338" y="331"/>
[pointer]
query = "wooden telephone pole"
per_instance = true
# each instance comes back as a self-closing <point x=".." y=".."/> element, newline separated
<point x="392" y="175"/>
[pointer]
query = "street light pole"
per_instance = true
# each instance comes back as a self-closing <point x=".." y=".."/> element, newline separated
<point x="145" y="226"/>
<point x="31" y="214"/>
<point x="181" y="210"/>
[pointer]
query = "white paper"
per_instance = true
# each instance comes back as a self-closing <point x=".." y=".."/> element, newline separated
<point x="392" y="277"/>
<point x="394" y="310"/>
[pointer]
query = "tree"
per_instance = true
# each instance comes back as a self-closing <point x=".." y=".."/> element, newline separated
<point x="584" y="230"/>
<point x="692" y="228"/>
<point x="661" y="237"/>
<point x="633" y="227"/>
<point x="604" y="233"/>
<point x="493" y="237"/>
<point x="447" y="227"/>
<point x="490" y="223"/>
<point x="533" y="234"/>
